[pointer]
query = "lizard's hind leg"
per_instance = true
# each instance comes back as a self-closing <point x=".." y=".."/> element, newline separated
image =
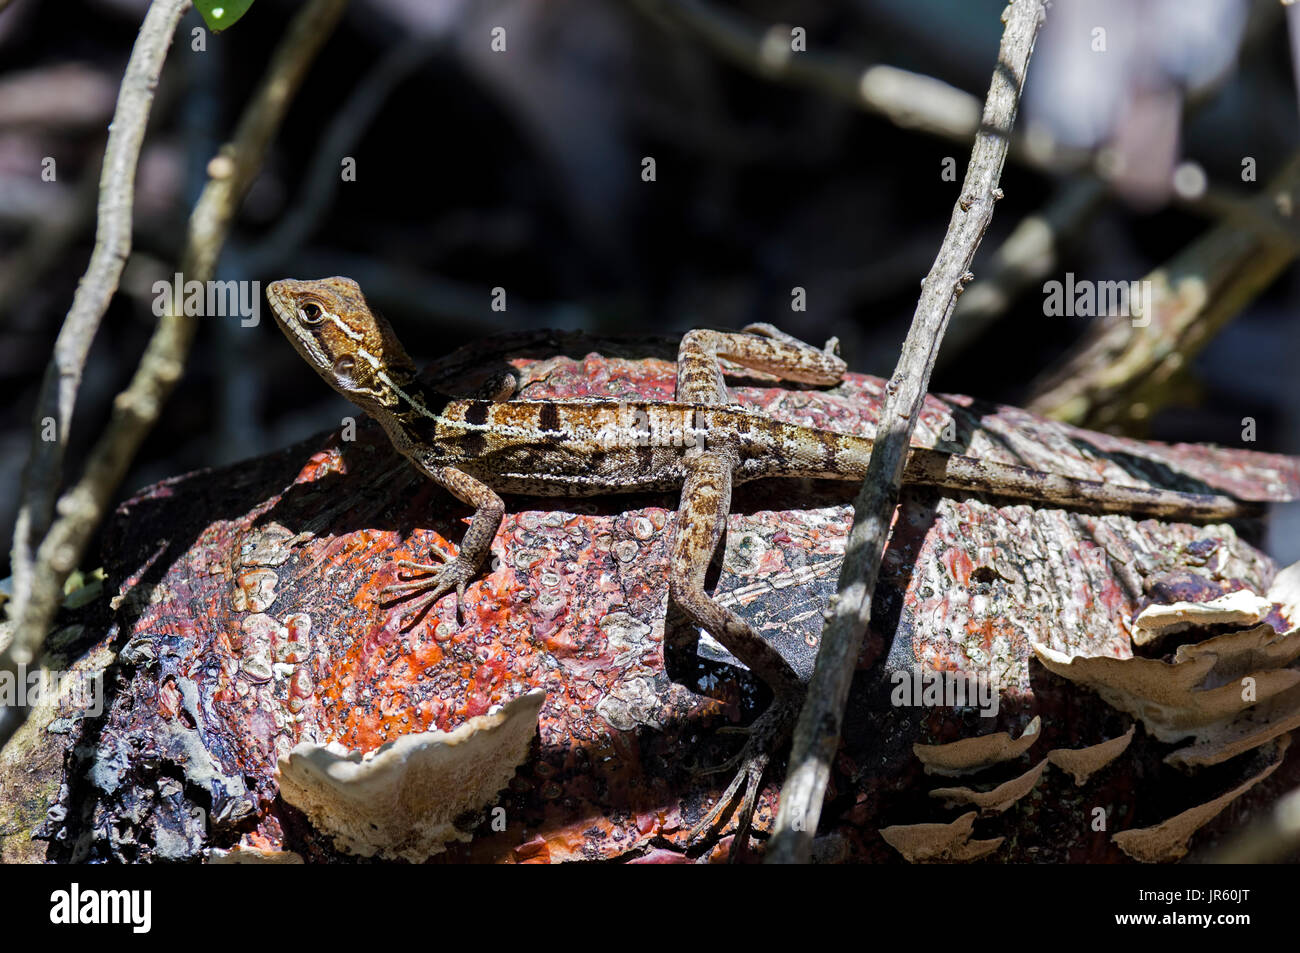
<point x="701" y="519"/>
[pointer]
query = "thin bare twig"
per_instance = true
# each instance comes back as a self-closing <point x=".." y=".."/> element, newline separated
<point x="1271" y="220"/>
<point x="1031" y="251"/>
<point x="907" y="99"/>
<point x="817" y="733"/>
<point x="136" y="409"/>
<point x="62" y="380"/>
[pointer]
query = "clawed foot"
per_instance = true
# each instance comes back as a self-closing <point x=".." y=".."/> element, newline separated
<point x="767" y="735"/>
<point x="451" y="573"/>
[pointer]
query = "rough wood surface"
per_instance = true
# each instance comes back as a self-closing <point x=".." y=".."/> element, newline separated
<point x="245" y="617"/>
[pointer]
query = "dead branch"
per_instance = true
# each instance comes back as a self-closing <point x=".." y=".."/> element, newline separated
<point x="62" y="380"/>
<point x="136" y="409"/>
<point x="817" y="733"/>
<point x="909" y="100"/>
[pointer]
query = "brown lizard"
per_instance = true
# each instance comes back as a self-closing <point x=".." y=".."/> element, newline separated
<point x="477" y="446"/>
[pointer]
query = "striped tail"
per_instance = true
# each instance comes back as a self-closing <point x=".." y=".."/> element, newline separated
<point x="933" y="468"/>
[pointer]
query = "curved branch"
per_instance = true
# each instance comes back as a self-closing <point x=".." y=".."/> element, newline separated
<point x="58" y="393"/>
<point x="136" y="409"/>
<point x="1122" y="371"/>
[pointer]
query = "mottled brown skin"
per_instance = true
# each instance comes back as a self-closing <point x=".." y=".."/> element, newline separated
<point x="477" y="446"/>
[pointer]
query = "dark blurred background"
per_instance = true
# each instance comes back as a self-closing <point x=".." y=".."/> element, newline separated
<point x="522" y="169"/>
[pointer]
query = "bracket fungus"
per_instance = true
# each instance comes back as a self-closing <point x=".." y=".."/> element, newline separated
<point x="975" y="754"/>
<point x="1285" y="592"/>
<point x="1167" y="841"/>
<point x="922" y="843"/>
<point x="1220" y="691"/>
<point x="1000" y="798"/>
<point x="1242" y="607"/>
<point x="1240" y="653"/>
<point x="1250" y="729"/>
<point x="1083" y="763"/>
<point x="402" y="799"/>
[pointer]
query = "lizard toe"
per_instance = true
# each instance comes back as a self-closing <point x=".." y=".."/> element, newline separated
<point x="412" y="566"/>
<point x="433" y="573"/>
<point x="449" y="577"/>
<point x="767" y="735"/>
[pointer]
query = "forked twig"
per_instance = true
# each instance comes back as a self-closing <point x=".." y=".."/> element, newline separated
<point x="62" y="379"/>
<point x="136" y="409"/>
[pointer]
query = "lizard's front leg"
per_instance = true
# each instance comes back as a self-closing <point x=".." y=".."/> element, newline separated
<point x="455" y="571"/>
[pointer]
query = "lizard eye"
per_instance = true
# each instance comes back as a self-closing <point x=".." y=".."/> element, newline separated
<point x="311" y="312"/>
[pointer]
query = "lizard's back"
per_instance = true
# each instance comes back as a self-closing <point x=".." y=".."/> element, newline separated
<point x="595" y="447"/>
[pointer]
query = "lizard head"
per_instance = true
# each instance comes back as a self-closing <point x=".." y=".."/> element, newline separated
<point x="354" y="350"/>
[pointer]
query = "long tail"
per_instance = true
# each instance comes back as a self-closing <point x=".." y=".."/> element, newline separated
<point x="770" y="448"/>
<point x="933" y="468"/>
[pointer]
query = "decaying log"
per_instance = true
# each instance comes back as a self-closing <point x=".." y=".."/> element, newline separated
<point x="243" y="609"/>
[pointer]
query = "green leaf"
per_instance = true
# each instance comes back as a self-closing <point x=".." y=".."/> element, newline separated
<point x="219" y="14"/>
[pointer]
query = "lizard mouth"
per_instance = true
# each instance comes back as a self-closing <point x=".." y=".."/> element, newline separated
<point x="285" y="309"/>
<point x="277" y="292"/>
